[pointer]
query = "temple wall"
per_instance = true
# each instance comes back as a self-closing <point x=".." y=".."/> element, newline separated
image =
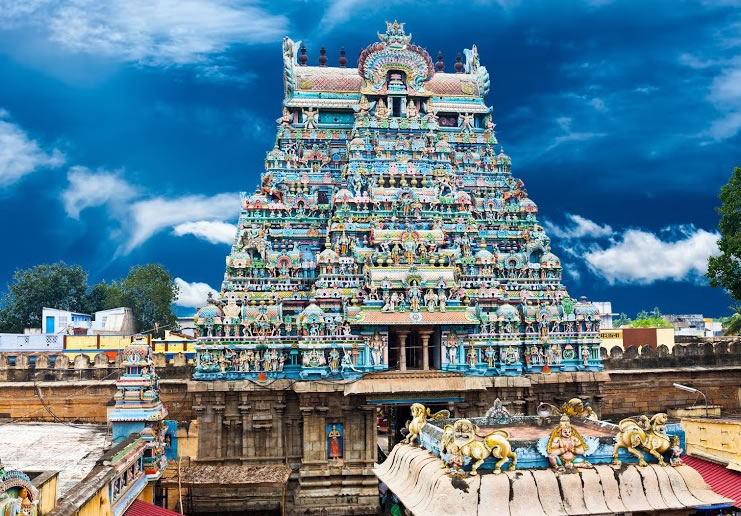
<point x="632" y="392"/>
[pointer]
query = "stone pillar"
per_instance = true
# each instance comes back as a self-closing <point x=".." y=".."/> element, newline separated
<point x="219" y="424"/>
<point x="425" y="337"/>
<point x="244" y="409"/>
<point x="403" y="350"/>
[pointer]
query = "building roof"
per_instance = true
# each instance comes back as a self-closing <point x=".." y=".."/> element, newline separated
<point x="73" y="450"/>
<point x="139" y="508"/>
<point x="419" y="480"/>
<point x="723" y="480"/>
<point x="226" y="475"/>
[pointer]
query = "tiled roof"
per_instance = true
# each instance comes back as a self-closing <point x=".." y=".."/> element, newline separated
<point x="418" y="479"/>
<point x="139" y="508"/>
<point x="723" y="480"/>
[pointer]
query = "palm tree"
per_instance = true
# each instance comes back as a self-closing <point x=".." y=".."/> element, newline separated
<point x="732" y="325"/>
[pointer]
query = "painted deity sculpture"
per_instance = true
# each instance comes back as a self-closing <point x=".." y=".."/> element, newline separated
<point x="566" y="447"/>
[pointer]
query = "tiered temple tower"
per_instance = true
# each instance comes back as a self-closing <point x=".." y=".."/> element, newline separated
<point x="388" y="232"/>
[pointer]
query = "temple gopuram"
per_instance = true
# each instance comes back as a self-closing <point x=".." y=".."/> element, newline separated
<point x="387" y="256"/>
<point x="389" y="233"/>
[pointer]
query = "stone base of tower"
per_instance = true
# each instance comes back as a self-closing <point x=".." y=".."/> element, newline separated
<point x="327" y="432"/>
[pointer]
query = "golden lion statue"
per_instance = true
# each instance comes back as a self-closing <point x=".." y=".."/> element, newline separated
<point x="648" y="434"/>
<point x="420" y="414"/>
<point x="459" y="441"/>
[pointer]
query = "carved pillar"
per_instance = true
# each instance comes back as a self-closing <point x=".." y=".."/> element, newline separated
<point x="425" y="337"/>
<point x="403" y="350"/>
<point x="219" y="425"/>
<point x="371" y="443"/>
<point x="244" y="409"/>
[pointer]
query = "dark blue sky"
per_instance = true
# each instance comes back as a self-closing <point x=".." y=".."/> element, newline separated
<point x="128" y="127"/>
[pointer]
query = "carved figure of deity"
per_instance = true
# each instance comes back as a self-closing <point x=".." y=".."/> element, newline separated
<point x="472" y="357"/>
<point x="334" y="438"/>
<point x="566" y="448"/>
<point x="413" y="293"/>
<point x="442" y="299"/>
<point x="452" y="344"/>
<point x="431" y="300"/>
<point x="490" y="355"/>
<point x="585" y="355"/>
<point x="412" y="112"/>
<point x="376" y="345"/>
<point x="334" y="360"/>
<point x="381" y="110"/>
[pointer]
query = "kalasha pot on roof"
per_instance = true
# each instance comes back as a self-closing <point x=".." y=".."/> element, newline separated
<point x="387" y="213"/>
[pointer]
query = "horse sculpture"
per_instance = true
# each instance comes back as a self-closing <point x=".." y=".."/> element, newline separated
<point x="648" y="434"/>
<point x="420" y="414"/>
<point x="460" y="441"/>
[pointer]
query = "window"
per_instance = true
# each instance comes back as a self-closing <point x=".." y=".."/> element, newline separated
<point x="396" y="110"/>
<point x="62" y="320"/>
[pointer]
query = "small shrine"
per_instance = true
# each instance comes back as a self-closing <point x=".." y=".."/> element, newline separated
<point x="388" y="232"/>
<point x="546" y="464"/>
<point x="18" y="496"/>
<point x="139" y="410"/>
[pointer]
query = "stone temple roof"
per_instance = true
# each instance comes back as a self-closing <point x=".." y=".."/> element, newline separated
<point x="418" y="479"/>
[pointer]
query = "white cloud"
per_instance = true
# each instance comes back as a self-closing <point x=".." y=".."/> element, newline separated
<point x="149" y="216"/>
<point x="214" y="231"/>
<point x="643" y="258"/>
<point x="569" y="135"/>
<point x="192" y="294"/>
<point x="20" y="155"/>
<point x="87" y="189"/>
<point x="141" y="217"/>
<point x="149" y="31"/>
<point x="580" y="227"/>
<point x="725" y="94"/>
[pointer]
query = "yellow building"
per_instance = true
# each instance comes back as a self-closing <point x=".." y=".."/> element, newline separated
<point x="717" y="440"/>
<point x="611" y="337"/>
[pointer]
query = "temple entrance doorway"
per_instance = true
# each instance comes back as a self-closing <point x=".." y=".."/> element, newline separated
<point x="416" y="348"/>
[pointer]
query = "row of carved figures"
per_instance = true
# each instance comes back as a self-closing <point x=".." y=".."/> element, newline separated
<point x="463" y="443"/>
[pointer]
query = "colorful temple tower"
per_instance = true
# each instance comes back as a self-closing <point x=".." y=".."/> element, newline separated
<point x="138" y="409"/>
<point x="388" y="232"/>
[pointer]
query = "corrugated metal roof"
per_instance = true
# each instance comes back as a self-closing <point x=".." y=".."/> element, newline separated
<point x="139" y="508"/>
<point x="723" y="480"/>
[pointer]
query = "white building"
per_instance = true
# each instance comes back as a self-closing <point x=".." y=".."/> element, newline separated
<point x="64" y="322"/>
<point x="116" y="321"/>
<point x="187" y="325"/>
<point x="605" y="313"/>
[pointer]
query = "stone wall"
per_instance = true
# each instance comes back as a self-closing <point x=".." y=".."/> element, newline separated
<point x="633" y="392"/>
<point x="712" y="351"/>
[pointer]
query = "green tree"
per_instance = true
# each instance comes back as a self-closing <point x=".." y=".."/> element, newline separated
<point x="55" y="285"/>
<point x="652" y="319"/>
<point x="724" y="270"/>
<point x="732" y="324"/>
<point x="103" y="296"/>
<point x="622" y="320"/>
<point x="150" y="291"/>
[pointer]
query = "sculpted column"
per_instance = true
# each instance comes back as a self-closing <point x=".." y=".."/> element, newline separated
<point x="403" y="350"/>
<point x="425" y="337"/>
